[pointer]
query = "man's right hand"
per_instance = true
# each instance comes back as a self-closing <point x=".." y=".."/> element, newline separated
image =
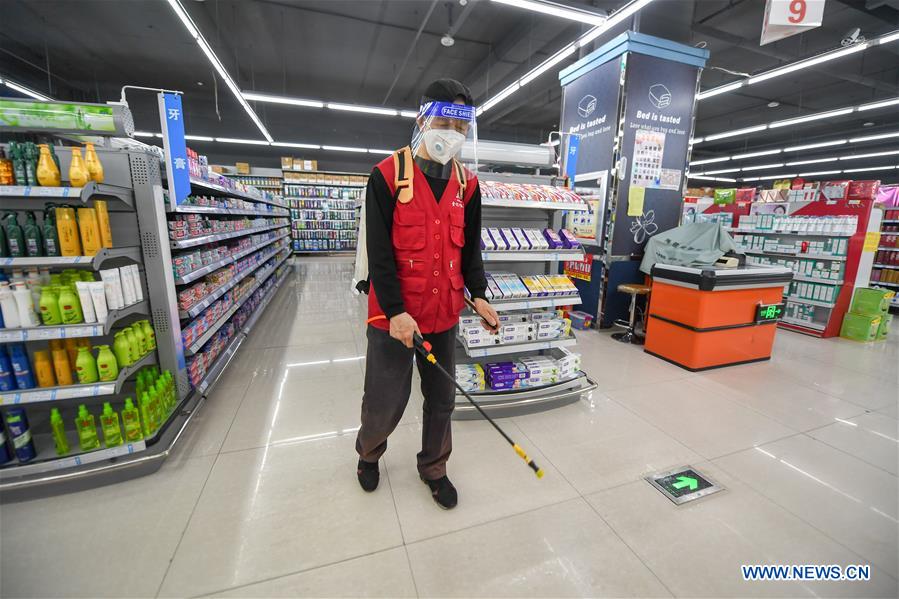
<point x="403" y="327"/>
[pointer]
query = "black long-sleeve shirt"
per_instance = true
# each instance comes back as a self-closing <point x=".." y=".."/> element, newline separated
<point x="379" y="205"/>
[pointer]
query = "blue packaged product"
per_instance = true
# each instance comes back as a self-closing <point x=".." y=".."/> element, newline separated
<point x="7" y="380"/>
<point x="21" y="367"/>
<point x="17" y="423"/>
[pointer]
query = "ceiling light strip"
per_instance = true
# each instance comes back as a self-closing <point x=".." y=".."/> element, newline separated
<point x="556" y="10"/>
<point x="22" y="89"/>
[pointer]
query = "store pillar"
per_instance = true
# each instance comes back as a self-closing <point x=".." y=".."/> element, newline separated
<point x="630" y="104"/>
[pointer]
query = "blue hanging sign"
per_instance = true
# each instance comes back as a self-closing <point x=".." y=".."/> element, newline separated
<point x="171" y="117"/>
<point x="574" y="142"/>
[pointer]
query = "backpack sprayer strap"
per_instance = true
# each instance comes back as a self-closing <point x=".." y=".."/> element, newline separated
<point x="402" y="178"/>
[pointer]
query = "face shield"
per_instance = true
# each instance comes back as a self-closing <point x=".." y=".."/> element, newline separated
<point x="442" y="130"/>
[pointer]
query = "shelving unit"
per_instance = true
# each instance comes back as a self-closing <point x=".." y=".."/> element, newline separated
<point x="267" y="182"/>
<point x="531" y="255"/>
<point x="324" y="209"/>
<point x="69" y="331"/>
<point x="885" y="272"/>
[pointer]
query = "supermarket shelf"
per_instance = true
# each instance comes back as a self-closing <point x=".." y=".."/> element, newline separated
<point x="801" y="300"/>
<point x="888" y="266"/>
<point x="815" y="326"/>
<point x="801" y="233"/>
<point x="890" y="222"/>
<point x="84" y="194"/>
<point x="320" y="199"/>
<point x="95" y="262"/>
<point x="501" y="203"/>
<point x="51" y="394"/>
<point x="531" y="255"/>
<point x="232" y="193"/>
<point x="195" y="241"/>
<point x="888" y="249"/>
<point x="514" y="348"/>
<point x="68" y="331"/>
<point x="517" y="402"/>
<point x="334" y="252"/>
<point x="261" y="278"/>
<point x="535" y="302"/>
<point x="201" y="272"/>
<point x="885" y="284"/>
<point x="325" y="220"/>
<point x="354" y="186"/>
<point x="48" y="461"/>
<point x="213" y="296"/>
<point x="226" y="211"/>
<point x="800" y="255"/>
<point x="817" y="280"/>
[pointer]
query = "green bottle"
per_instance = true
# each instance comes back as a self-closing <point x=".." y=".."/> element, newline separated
<point x="4" y="251"/>
<point x="51" y="235"/>
<point x="15" y="237"/>
<point x="69" y="306"/>
<point x="56" y="279"/>
<point x="31" y="155"/>
<point x="112" y="430"/>
<point x="86" y="366"/>
<point x="107" y="367"/>
<point x="87" y="430"/>
<point x="122" y="350"/>
<point x="55" y="157"/>
<point x="163" y="396"/>
<point x="147" y="415"/>
<point x="59" y="432"/>
<point x="156" y="409"/>
<point x="49" y="306"/>
<point x="141" y="338"/>
<point x="18" y="163"/>
<point x="149" y="334"/>
<point x="86" y="276"/>
<point x="131" y="422"/>
<point x="133" y="345"/>
<point x="34" y="243"/>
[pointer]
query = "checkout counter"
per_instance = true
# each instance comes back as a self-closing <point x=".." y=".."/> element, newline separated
<point x="702" y="318"/>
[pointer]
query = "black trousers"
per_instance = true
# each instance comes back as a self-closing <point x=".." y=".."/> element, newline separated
<point x="388" y="382"/>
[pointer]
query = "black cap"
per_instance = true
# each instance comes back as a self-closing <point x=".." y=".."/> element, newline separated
<point x="447" y="90"/>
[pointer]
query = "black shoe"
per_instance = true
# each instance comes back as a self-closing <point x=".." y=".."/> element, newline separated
<point x="368" y="475"/>
<point x="443" y="492"/>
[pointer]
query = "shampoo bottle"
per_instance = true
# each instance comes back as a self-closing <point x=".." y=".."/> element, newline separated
<point x="145" y="415"/>
<point x="6" y="170"/>
<point x="149" y="334"/>
<point x="25" y="306"/>
<point x="133" y="346"/>
<point x="21" y="367"/>
<point x="47" y="171"/>
<point x="122" y="350"/>
<point x="17" y="423"/>
<point x="49" y="306"/>
<point x="90" y="231"/>
<point x="34" y="244"/>
<point x="62" y="368"/>
<point x="138" y="331"/>
<point x="131" y="422"/>
<point x="112" y="430"/>
<point x="71" y="346"/>
<point x="67" y="227"/>
<point x="107" y="367"/>
<point x="50" y="234"/>
<point x="92" y="161"/>
<point x="58" y="427"/>
<point x="87" y="430"/>
<point x="78" y="173"/>
<point x="157" y="413"/>
<point x="15" y="237"/>
<point x="86" y="366"/>
<point x="8" y="307"/>
<point x="7" y="379"/>
<point x="103" y="222"/>
<point x="43" y="369"/>
<point x="69" y="306"/>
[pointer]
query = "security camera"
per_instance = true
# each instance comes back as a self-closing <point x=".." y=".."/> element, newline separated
<point x="852" y="37"/>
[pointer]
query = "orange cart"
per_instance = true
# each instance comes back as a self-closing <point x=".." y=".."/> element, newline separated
<point x="701" y="318"/>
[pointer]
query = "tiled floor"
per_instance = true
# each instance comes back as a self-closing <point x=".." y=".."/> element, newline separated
<point x="260" y="498"/>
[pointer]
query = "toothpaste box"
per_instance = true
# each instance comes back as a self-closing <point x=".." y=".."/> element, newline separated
<point x="518" y="338"/>
<point x="487" y="242"/>
<point x="518" y="288"/>
<point x="511" y="318"/>
<point x="506" y="366"/>
<point x="552" y="238"/>
<point x="538" y="242"/>
<point x="478" y="336"/>
<point x="569" y="240"/>
<point x="549" y="334"/>
<point x="504" y="289"/>
<point x="498" y="239"/>
<point x="533" y="287"/>
<point x="510" y="238"/>
<point x="517" y="329"/>
<point x="506" y="377"/>
<point x="542" y="316"/>
<point x="469" y="320"/>
<point x="547" y="282"/>
<point x="522" y="239"/>
<point x="492" y="288"/>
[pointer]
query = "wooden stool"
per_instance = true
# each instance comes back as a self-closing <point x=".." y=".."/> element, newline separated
<point x="629" y="335"/>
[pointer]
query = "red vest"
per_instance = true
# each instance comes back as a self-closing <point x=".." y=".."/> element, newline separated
<point x="427" y="245"/>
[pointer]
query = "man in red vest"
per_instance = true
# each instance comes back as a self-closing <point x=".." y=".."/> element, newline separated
<point x="423" y="228"/>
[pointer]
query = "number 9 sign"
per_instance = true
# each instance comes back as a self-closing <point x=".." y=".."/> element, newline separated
<point x="784" y="18"/>
<point x="797" y="11"/>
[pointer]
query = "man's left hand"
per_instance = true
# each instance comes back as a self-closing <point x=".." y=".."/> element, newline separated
<point x="490" y="319"/>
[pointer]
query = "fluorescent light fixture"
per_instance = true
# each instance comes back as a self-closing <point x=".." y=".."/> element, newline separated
<point x="409" y="114"/>
<point x="812" y="117"/>
<point x="344" y="149"/>
<point x="549" y="63"/>
<point x="819" y="173"/>
<point x="890" y="37"/>
<point x="557" y="10"/>
<point x="710" y="178"/>
<point x="804" y="64"/>
<point x="288" y="144"/>
<point x="145" y="134"/>
<point x="257" y="97"/>
<point x="614" y="19"/>
<point x="695" y="140"/>
<point x="709" y="161"/>
<point x="365" y="109"/>
<point x="823" y="144"/>
<point x="815" y="161"/>
<point x="735" y="132"/>
<point x="232" y="140"/>
<point x="216" y="63"/>
<point x="872" y="168"/>
<point x="25" y="90"/>
<point x="872" y="155"/>
<point x="724" y="170"/>
<point x="749" y="178"/>
<point x="761" y="166"/>
<point x="198" y="138"/>
<point x="880" y="104"/>
<point x="721" y="89"/>
<point x="754" y="154"/>
<point x="371" y="151"/>
<point x="769" y="177"/>
<point x="498" y="98"/>
<point x="856" y="140"/>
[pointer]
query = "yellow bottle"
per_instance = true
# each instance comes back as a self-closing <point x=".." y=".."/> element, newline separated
<point x="67" y="227"/>
<point x="61" y="366"/>
<point x="47" y="171"/>
<point x="78" y="173"/>
<point x="71" y="346"/>
<point x="90" y="231"/>
<point x="92" y="161"/>
<point x="43" y="369"/>
<point x="103" y="221"/>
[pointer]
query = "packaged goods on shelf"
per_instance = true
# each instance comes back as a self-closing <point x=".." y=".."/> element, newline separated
<point x="322" y="192"/>
<point x="198" y="166"/>
<point x="256" y="180"/>
<point x="515" y="328"/>
<point x="780" y="223"/>
<point x="56" y="232"/>
<point x="321" y="204"/>
<point x="325" y="178"/>
<point x="225" y="203"/>
<point x="511" y="286"/>
<point x="829" y="270"/>
<point x="829" y="246"/>
<point x="525" y="372"/>
<point x="524" y="192"/>
<point x="184" y="227"/>
<point x="522" y="239"/>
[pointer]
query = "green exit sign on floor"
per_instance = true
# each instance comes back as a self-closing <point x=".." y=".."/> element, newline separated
<point x="683" y="484"/>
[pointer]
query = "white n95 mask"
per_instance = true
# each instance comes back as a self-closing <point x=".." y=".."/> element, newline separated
<point x="443" y="144"/>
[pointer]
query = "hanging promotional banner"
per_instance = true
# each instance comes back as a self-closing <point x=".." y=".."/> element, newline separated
<point x="171" y="119"/>
<point x="580" y="269"/>
<point x="64" y="117"/>
<point x="784" y="18"/>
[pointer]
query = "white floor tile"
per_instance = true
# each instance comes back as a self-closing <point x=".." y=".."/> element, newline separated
<point x="847" y="499"/>
<point x="871" y="437"/>
<point x="891" y="411"/>
<point x="210" y="425"/>
<point x="697" y="549"/>
<point x="563" y="550"/>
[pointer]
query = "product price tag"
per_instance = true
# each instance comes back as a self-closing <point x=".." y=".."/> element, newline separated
<point x="34" y="396"/>
<point x="10" y="335"/>
<point x="46" y="333"/>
